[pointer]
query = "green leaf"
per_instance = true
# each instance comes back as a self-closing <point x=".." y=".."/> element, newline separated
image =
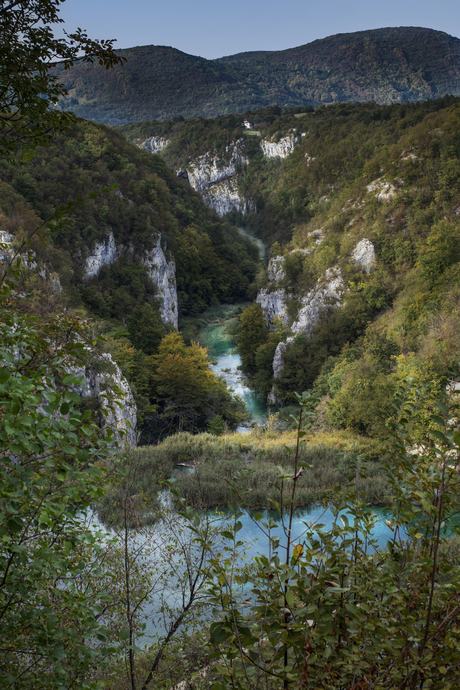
<point x="438" y="434"/>
<point x="124" y="634"/>
<point x="218" y="633"/>
<point x="65" y="407"/>
<point x="4" y="374"/>
<point x="275" y="504"/>
<point x="290" y="599"/>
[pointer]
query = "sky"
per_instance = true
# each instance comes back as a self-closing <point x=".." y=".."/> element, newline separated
<point x="216" y="28"/>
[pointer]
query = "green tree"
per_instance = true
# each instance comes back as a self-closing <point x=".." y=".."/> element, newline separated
<point x="52" y="457"/>
<point x="441" y="250"/>
<point x="251" y="333"/>
<point x="183" y="379"/>
<point x="51" y="468"/>
<point x="189" y="393"/>
<point x="28" y="88"/>
<point x="146" y="328"/>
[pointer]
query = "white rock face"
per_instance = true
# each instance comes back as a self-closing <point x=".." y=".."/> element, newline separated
<point x="224" y="197"/>
<point x="328" y="293"/>
<point x="384" y="190"/>
<point x="273" y="304"/>
<point x="278" y="363"/>
<point x="155" y="144"/>
<point x="160" y="271"/>
<point x="364" y="255"/>
<point x="209" y="169"/>
<point x="276" y="269"/>
<point x="215" y="179"/>
<point x="280" y="149"/>
<point x="163" y="274"/>
<point x="99" y="384"/>
<point x="103" y="253"/>
<point x="276" y="263"/>
<point x="6" y="250"/>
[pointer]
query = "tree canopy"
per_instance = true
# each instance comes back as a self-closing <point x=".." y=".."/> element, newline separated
<point x="28" y="90"/>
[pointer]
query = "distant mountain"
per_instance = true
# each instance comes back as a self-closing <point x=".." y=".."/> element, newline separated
<point x="157" y="82"/>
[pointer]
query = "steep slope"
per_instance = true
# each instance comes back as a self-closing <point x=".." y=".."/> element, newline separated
<point x="363" y="217"/>
<point x="136" y="258"/>
<point x="384" y="65"/>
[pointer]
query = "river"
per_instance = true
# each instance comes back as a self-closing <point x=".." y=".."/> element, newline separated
<point x="221" y="346"/>
<point x="226" y="362"/>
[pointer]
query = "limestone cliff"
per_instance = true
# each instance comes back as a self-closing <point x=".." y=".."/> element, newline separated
<point x="326" y="294"/>
<point x="161" y="271"/>
<point x="364" y="255"/>
<point x="279" y="149"/>
<point x="155" y="144"/>
<point x="224" y="197"/>
<point x="163" y="274"/>
<point x="104" y="253"/>
<point x="273" y="303"/>
<point x="103" y="381"/>
<point x="214" y="177"/>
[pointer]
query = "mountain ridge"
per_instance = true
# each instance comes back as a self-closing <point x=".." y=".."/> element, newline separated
<point x="395" y="64"/>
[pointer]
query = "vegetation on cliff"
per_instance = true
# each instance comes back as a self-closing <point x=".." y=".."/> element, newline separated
<point x="387" y="174"/>
<point x="213" y="263"/>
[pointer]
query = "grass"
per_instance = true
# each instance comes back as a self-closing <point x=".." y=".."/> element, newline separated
<point x="252" y="461"/>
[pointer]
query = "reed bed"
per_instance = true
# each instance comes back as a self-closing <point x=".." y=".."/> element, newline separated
<point x="251" y="464"/>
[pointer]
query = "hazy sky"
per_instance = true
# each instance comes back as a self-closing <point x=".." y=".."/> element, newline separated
<point x="216" y="28"/>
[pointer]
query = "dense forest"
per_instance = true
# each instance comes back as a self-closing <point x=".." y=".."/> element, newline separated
<point x="383" y="65"/>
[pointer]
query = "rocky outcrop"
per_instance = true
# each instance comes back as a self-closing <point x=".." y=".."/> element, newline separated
<point x="279" y="149"/>
<point x="363" y="255"/>
<point x="278" y="363"/>
<point x="6" y="250"/>
<point x="215" y="178"/>
<point x="103" y="381"/>
<point x="224" y="197"/>
<point x="276" y="269"/>
<point x="155" y="144"/>
<point x="160" y="271"/>
<point x="273" y="304"/>
<point x="327" y="294"/>
<point x="384" y="191"/>
<point x="104" y="253"/>
<point x="210" y="169"/>
<point x="163" y="274"/>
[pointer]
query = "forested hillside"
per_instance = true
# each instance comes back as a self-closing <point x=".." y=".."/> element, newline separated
<point x="137" y="258"/>
<point x="382" y="177"/>
<point x="384" y="65"/>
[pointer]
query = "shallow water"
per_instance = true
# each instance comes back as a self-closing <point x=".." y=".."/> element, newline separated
<point x="163" y="539"/>
<point x="225" y="363"/>
<point x="227" y="366"/>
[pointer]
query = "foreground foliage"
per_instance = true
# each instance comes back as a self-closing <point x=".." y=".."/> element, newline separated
<point x="327" y="607"/>
<point x="53" y="607"/>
